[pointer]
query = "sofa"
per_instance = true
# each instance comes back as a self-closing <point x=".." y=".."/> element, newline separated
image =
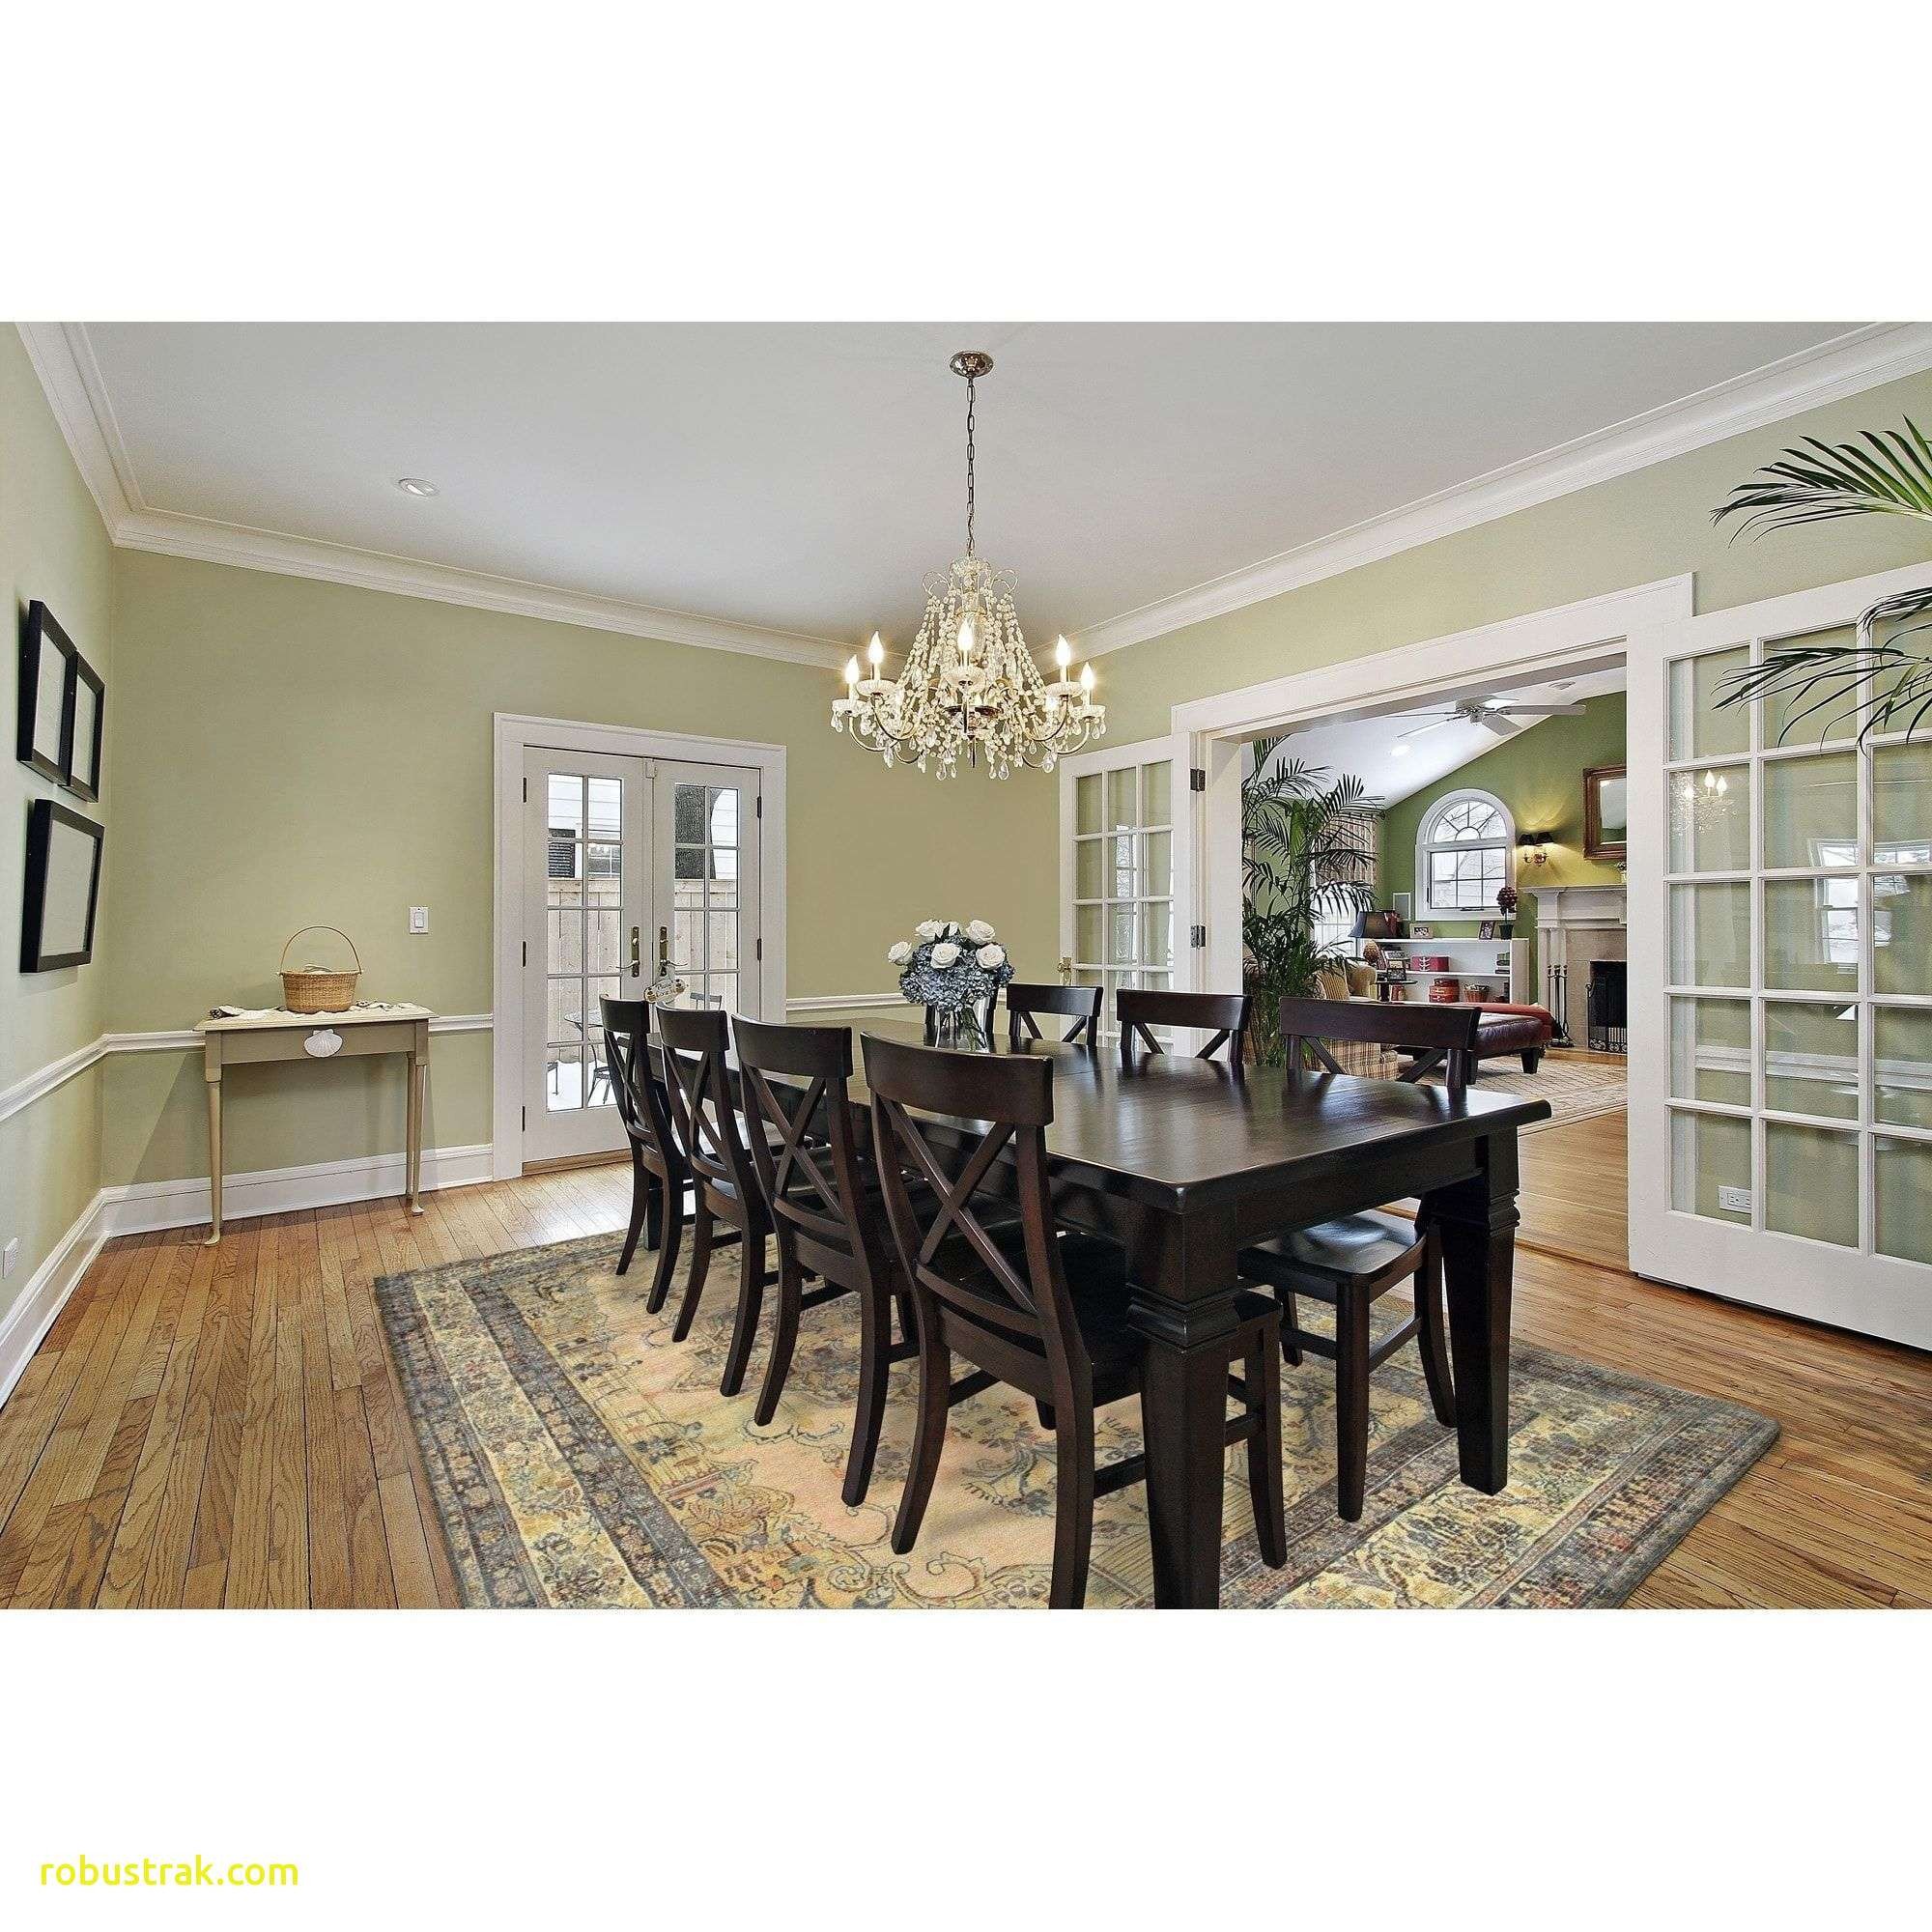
<point x="1505" y="1027"/>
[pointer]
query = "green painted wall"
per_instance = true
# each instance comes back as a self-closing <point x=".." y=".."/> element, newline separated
<point x="1633" y="530"/>
<point x="316" y="753"/>
<point x="53" y="547"/>
<point x="1539" y="775"/>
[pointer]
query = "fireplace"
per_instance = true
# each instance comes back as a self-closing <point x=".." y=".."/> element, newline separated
<point x="1607" y="1020"/>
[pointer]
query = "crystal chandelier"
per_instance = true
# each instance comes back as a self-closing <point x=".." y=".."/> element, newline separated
<point x="970" y="685"/>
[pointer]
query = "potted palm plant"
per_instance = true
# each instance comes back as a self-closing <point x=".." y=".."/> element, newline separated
<point x="1297" y="864"/>
<point x="1880" y="682"/>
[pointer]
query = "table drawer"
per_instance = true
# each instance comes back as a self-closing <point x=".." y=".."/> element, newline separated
<point x="240" y="1048"/>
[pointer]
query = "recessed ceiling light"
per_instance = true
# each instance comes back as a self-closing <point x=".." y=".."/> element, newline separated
<point x="415" y="486"/>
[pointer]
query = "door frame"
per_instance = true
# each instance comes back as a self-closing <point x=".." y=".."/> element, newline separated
<point x="515" y="734"/>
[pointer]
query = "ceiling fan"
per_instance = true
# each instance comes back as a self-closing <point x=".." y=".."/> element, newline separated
<point x="1491" y="715"/>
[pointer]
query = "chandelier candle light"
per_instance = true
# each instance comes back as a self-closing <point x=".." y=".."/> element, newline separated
<point x="970" y="684"/>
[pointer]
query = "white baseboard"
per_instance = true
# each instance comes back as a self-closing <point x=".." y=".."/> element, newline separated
<point x="24" y="1326"/>
<point x="147" y="1206"/>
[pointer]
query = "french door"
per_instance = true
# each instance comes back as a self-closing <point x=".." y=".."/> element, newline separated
<point x="636" y="869"/>
<point x="1780" y="905"/>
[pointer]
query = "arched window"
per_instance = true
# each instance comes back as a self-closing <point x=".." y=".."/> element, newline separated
<point x="1465" y="855"/>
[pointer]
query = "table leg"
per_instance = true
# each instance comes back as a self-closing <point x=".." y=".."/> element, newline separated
<point x="1184" y="1412"/>
<point x="1478" y="1220"/>
<point x="214" y="1160"/>
<point x="418" y="1076"/>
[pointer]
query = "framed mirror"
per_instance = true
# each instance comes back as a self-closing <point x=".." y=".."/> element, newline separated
<point x="62" y="888"/>
<point x="1605" y="813"/>
<point x="46" y="660"/>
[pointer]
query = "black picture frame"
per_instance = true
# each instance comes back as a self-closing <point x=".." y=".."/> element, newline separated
<point x="43" y="815"/>
<point x="82" y="783"/>
<point x="39" y="636"/>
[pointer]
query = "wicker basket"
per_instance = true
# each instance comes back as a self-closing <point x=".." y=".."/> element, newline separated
<point x="317" y="989"/>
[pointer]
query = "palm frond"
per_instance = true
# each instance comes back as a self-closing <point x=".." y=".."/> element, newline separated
<point x="1891" y="475"/>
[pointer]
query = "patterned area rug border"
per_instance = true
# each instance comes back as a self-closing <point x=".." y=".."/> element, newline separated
<point x="546" y="1504"/>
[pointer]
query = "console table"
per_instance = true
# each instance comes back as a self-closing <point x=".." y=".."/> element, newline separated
<point x="246" y="1039"/>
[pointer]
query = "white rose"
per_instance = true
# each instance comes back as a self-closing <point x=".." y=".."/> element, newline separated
<point x="930" y="928"/>
<point x="900" y="952"/>
<point x="990" y="957"/>
<point x="945" y="954"/>
<point x="978" y="931"/>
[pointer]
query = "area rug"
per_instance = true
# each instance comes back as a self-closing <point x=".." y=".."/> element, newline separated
<point x="1576" y="1089"/>
<point x="577" y="1456"/>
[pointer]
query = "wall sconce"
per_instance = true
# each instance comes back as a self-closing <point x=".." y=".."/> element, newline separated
<point x="1534" y="846"/>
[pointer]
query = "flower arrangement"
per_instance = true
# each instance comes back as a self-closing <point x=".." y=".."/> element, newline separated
<point x="949" y="967"/>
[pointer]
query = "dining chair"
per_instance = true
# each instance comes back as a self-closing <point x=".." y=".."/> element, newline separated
<point x="1352" y="1261"/>
<point x="823" y="1193"/>
<point x="1225" y="1015"/>
<point x="659" y="1176"/>
<point x="724" y="1183"/>
<point x="1029" y="1304"/>
<point x="1080" y="1003"/>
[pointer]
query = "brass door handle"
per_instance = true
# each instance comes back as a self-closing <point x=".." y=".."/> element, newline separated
<point x="636" y="955"/>
<point x="663" y="949"/>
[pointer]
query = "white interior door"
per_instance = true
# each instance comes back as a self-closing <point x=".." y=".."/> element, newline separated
<point x="705" y="844"/>
<point x="588" y="908"/>
<point x="1781" y="906"/>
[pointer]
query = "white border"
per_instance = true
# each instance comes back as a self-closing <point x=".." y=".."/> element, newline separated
<point x="516" y="733"/>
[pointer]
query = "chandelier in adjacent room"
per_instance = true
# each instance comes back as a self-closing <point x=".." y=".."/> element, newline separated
<point x="969" y="685"/>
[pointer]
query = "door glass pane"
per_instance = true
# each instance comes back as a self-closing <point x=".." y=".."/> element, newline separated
<point x="685" y="924"/>
<point x="1783" y="723"/>
<point x="1121" y="937"/>
<point x="1811" y="1059"/>
<point x="1710" y="1051"/>
<point x="1087" y="929"/>
<point x="1156" y="794"/>
<point x="1811" y="1182"/>
<point x="688" y="861"/>
<point x="1709" y="1151"/>
<point x="565" y="816"/>
<point x="1089" y="871"/>
<point x="1697" y="729"/>
<point x="1901" y="932"/>
<point x="1903" y="1075"/>
<point x="721" y="950"/>
<point x="1811" y="810"/>
<point x="1160" y="855"/>
<point x="1903" y="1171"/>
<point x="1710" y="819"/>
<point x="1157" y="932"/>
<point x="606" y="941"/>
<point x="564" y="928"/>
<point x="1710" y="935"/>
<point x="688" y="814"/>
<point x="563" y="1078"/>
<point x="566" y="1012"/>
<point x="1087" y="802"/>
<point x="724" y="816"/>
<point x="1120" y="867"/>
<point x="1120" y="789"/>
<point x="1811" y="934"/>
<point x="722" y="991"/>
<point x="606" y="808"/>
<point x="1902" y="804"/>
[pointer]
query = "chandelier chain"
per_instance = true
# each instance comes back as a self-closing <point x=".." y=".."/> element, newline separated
<point x="970" y="400"/>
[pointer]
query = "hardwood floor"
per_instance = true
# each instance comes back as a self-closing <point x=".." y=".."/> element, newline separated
<point x="222" y="1426"/>
<point x="1574" y="1197"/>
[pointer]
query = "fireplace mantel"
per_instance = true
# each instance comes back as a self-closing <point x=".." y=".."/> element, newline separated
<point x="1574" y="926"/>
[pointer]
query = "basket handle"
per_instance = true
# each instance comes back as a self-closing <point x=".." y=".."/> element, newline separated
<point x="338" y="932"/>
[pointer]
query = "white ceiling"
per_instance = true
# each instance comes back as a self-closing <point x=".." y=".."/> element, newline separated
<point x="1367" y="746"/>
<point x="803" y="477"/>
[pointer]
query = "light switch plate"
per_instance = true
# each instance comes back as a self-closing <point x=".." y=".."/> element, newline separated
<point x="419" y="919"/>
<point x="1735" y="1200"/>
<point x="10" y="1257"/>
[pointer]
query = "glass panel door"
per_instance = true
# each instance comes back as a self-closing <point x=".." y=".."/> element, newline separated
<point x="1124" y="880"/>
<point x="705" y="840"/>
<point x="1782" y="1133"/>
<point x="587" y="900"/>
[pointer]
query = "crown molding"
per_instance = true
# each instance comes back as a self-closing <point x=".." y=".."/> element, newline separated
<point x="1859" y="360"/>
<point x="64" y="361"/>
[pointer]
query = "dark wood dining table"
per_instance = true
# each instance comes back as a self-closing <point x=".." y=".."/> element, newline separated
<point x="1186" y="1161"/>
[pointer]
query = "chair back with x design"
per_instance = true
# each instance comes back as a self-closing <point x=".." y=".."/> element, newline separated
<point x="634" y="1083"/>
<point x="1224" y="1016"/>
<point x="992" y="1298"/>
<point x="698" y="1082"/>
<point x="1438" y="1036"/>
<point x="1079" y="1003"/>
<point x="810" y="1166"/>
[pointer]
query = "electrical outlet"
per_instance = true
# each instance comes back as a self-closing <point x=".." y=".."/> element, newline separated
<point x="1735" y="1200"/>
<point x="10" y="1257"/>
<point x="419" y="919"/>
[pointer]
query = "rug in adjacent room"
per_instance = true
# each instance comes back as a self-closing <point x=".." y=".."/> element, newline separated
<point x="579" y="1456"/>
